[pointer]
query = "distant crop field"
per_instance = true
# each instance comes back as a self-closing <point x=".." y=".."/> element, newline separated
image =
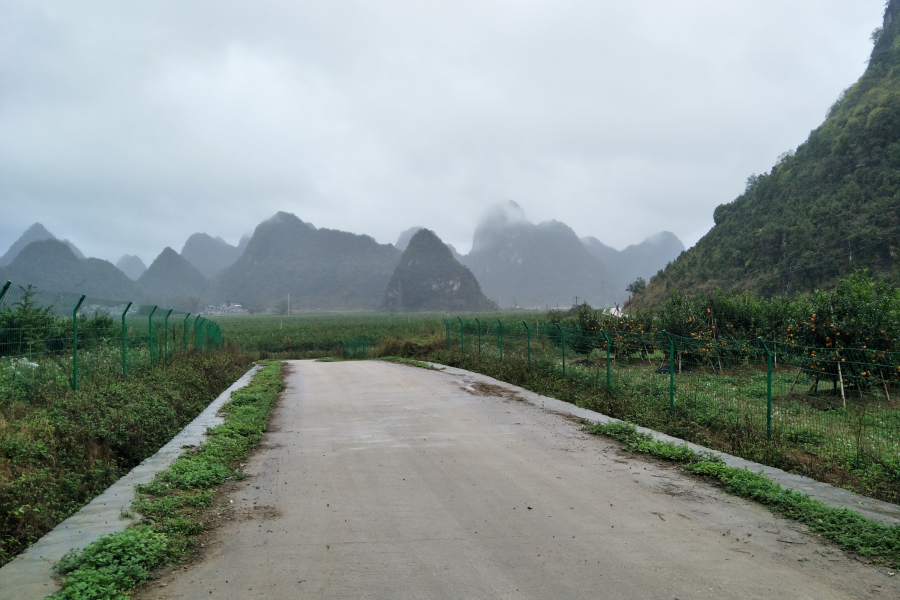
<point x="321" y="334"/>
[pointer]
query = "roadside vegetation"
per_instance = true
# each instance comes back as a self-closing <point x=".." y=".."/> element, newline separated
<point x="850" y="530"/>
<point x="641" y="397"/>
<point x="172" y="506"/>
<point x="59" y="448"/>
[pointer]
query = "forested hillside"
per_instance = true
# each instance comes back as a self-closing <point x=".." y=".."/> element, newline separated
<point x="319" y="268"/>
<point x="428" y="277"/>
<point x="173" y="280"/>
<point x="35" y="233"/>
<point x="50" y="264"/>
<point x="520" y="263"/>
<point x="829" y="208"/>
<point x="210" y="255"/>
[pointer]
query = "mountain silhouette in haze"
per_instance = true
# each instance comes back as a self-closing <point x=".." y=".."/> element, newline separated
<point x="822" y="211"/>
<point x="210" y="254"/>
<point x="519" y="263"/>
<point x="242" y="245"/>
<point x="319" y="268"/>
<point x="50" y="264"/>
<point x="172" y="279"/>
<point x="403" y="241"/>
<point x="131" y="265"/>
<point x="637" y="260"/>
<point x="35" y="233"/>
<point x="429" y="278"/>
<point x="405" y="236"/>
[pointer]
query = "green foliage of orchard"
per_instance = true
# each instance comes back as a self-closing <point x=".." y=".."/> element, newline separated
<point x="172" y="504"/>
<point x="858" y="313"/>
<point x="848" y="528"/>
<point x="59" y="448"/>
<point x="829" y="208"/>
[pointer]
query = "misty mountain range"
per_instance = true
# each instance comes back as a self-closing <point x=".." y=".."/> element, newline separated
<point x="513" y="262"/>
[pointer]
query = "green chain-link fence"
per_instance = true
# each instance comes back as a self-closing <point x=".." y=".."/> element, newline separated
<point x="65" y="337"/>
<point x="842" y="404"/>
<point x="355" y="348"/>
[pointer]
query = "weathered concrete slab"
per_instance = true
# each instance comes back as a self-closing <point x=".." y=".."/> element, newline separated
<point x="877" y="510"/>
<point x="382" y="481"/>
<point x="30" y="575"/>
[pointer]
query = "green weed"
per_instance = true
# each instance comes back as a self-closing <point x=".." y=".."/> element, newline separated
<point x="849" y="529"/>
<point x="113" y="564"/>
<point x="172" y="504"/>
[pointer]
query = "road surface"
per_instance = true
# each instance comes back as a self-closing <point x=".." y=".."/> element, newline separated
<point x="381" y="480"/>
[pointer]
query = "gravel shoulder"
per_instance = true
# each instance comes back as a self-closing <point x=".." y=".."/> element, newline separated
<point x="379" y="480"/>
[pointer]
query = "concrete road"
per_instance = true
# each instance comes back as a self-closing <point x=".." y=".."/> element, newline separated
<point x="380" y="480"/>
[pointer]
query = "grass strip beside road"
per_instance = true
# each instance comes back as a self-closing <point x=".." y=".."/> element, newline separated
<point x="849" y="529"/>
<point x="646" y="403"/>
<point x="173" y="504"/>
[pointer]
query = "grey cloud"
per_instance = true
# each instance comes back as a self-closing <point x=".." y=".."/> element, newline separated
<point x="127" y="127"/>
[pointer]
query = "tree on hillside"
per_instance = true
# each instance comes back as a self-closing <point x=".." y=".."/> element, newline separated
<point x="637" y="286"/>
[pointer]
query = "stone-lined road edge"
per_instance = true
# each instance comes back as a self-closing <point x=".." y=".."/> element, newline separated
<point x="30" y="575"/>
<point x="883" y="512"/>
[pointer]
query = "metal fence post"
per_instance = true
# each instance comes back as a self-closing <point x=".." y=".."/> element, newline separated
<point x="527" y="340"/>
<point x="150" y="331"/>
<point x="768" y="389"/>
<point x="607" y="357"/>
<point x="184" y="330"/>
<point x="196" y="339"/>
<point x="166" y="336"/>
<point x="447" y="327"/>
<point x="5" y="288"/>
<point x="563" y="346"/>
<point x="671" y="371"/>
<point x="75" y="343"/>
<point x="479" y="335"/>
<point x="500" y="338"/>
<point x="124" y="351"/>
<point x="462" y="338"/>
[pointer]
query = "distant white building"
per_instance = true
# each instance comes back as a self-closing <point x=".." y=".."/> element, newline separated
<point x="224" y="309"/>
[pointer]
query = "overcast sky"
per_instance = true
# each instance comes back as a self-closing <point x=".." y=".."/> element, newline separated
<point x="127" y="126"/>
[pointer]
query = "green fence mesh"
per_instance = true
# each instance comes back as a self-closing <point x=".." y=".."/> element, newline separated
<point x="355" y="348"/>
<point x="840" y="404"/>
<point x="66" y="337"/>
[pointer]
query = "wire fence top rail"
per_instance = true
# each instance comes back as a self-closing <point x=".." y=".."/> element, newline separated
<point x="64" y="335"/>
<point x="842" y="404"/>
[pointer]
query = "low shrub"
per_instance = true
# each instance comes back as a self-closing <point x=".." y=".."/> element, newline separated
<point x="61" y="448"/>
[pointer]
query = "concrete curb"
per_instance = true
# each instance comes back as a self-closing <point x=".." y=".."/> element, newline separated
<point x="883" y="512"/>
<point x="30" y="575"/>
